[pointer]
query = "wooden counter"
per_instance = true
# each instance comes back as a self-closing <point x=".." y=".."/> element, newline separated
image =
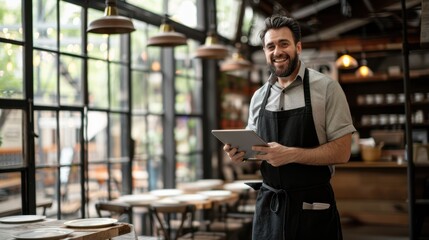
<point x="376" y="192"/>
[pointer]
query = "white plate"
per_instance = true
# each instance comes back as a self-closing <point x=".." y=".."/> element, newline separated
<point x="210" y="182"/>
<point x="166" y="202"/>
<point x="44" y="233"/>
<point x="190" y="197"/>
<point x="238" y="187"/>
<point x="91" y="222"/>
<point x="138" y="198"/>
<point x="216" y="193"/>
<point x="22" y="218"/>
<point x="166" y="192"/>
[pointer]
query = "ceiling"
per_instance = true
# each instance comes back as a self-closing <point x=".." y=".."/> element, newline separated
<point x="335" y="23"/>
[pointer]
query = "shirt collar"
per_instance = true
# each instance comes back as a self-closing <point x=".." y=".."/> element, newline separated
<point x="300" y="76"/>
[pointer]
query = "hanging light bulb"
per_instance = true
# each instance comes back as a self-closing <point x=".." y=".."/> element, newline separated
<point x="111" y="23"/>
<point x="211" y="48"/>
<point x="346" y="62"/>
<point x="364" y="71"/>
<point x="236" y="62"/>
<point x="167" y="36"/>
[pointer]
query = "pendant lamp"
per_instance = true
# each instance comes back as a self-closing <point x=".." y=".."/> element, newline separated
<point x="167" y="36"/>
<point x="236" y="62"/>
<point x="111" y="23"/>
<point x="211" y="48"/>
<point x="346" y="62"/>
<point x="364" y="71"/>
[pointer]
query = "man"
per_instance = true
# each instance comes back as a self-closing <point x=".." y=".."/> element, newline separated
<point x="304" y="116"/>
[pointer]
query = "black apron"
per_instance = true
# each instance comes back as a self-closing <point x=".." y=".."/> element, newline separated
<point x="279" y="207"/>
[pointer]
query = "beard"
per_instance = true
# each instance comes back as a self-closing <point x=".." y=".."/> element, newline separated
<point x="285" y="72"/>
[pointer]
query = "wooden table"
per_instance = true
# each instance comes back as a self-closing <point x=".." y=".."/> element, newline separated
<point x="205" y="204"/>
<point x="122" y="231"/>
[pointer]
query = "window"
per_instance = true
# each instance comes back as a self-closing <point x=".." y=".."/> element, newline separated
<point x="227" y="17"/>
<point x="94" y="99"/>
<point x="188" y="107"/>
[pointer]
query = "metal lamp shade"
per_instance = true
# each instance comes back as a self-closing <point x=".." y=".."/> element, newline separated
<point x="211" y="49"/>
<point x="237" y="62"/>
<point x="167" y="37"/>
<point x="346" y="62"/>
<point x="111" y="25"/>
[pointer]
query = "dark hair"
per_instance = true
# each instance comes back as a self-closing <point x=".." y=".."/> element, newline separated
<point x="279" y="21"/>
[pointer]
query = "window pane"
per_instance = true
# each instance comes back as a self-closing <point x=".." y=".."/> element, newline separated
<point x="118" y="87"/>
<point x="139" y="135"/>
<point x="97" y="84"/>
<point x="70" y="137"/>
<point x="155" y="135"/>
<point x="258" y="25"/>
<point x="70" y="173"/>
<point x="183" y="11"/>
<point x="188" y="95"/>
<point x="11" y="71"/>
<point x="97" y="178"/>
<point x="188" y="134"/>
<point x="46" y="190"/>
<point x="71" y="90"/>
<point x="46" y="145"/>
<point x="45" y="78"/>
<point x="11" y="142"/>
<point x="154" y="53"/>
<point x="139" y="97"/>
<point x="71" y="28"/>
<point x="154" y="93"/>
<point x="97" y="136"/>
<point x="183" y="60"/>
<point x="139" y="56"/>
<point x="186" y="64"/>
<point x="188" y="168"/>
<point x="11" y="19"/>
<point x="150" y="5"/>
<point x="97" y="43"/>
<point x="140" y="175"/>
<point x="117" y="48"/>
<point x="10" y="191"/>
<point x="45" y="23"/>
<point x="155" y="169"/>
<point x="247" y="23"/>
<point x="118" y="136"/>
<point x="119" y="172"/>
<point x="71" y="193"/>
<point x="227" y="12"/>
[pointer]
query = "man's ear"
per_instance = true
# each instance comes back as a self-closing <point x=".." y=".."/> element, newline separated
<point x="298" y="48"/>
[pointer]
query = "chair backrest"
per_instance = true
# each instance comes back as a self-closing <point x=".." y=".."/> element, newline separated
<point x="164" y="215"/>
<point x="120" y="211"/>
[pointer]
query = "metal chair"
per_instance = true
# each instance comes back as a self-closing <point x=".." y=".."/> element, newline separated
<point x="176" y="222"/>
<point x="121" y="211"/>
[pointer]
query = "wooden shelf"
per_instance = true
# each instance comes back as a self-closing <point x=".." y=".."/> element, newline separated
<point x="351" y="78"/>
<point x="377" y="164"/>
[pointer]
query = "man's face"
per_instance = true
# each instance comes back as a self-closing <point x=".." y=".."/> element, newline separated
<point x="281" y="52"/>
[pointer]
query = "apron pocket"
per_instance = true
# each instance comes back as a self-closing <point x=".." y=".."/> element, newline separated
<point x="317" y="224"/>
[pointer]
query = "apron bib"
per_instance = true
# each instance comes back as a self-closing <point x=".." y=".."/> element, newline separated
<point x="279" y="208"/>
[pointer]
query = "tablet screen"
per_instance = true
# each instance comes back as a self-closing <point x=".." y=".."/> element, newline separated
<point x="243" y="139"/>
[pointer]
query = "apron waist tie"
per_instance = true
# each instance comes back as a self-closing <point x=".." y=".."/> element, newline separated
<point x="275" y="201"/>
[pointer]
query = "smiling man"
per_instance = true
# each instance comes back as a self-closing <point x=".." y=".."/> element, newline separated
<point x="305" y="118"/>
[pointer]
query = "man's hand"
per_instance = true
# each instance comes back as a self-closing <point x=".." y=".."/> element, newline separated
<point x="233" y="153"/>
<point x="275" y="154"/>
<point x="334" y="152"/>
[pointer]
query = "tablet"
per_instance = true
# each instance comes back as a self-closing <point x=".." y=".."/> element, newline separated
<point x="243" y="139"/>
